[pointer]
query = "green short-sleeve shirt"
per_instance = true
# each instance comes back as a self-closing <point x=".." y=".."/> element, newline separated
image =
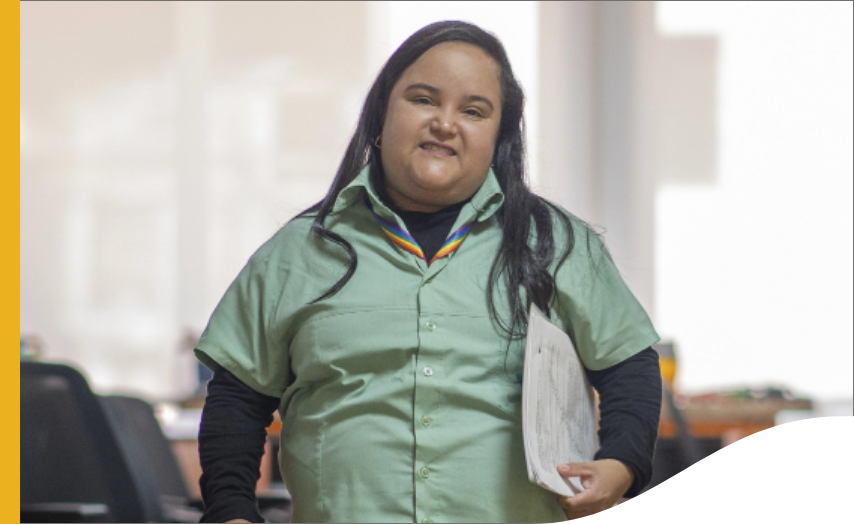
<point x="399" y="394"/>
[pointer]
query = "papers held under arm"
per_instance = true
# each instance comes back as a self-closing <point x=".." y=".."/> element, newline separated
<point x="558" y="407"/>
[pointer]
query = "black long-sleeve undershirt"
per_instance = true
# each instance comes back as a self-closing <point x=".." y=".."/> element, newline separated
<point x="629" y="409"/>
<point x="231" y="443"/>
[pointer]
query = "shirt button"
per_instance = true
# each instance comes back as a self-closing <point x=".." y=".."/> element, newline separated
<point x="430" y="325"/>
<point x="428" y="371"/>
<point x="425" y="421"/>
<point x="425" y="473"/>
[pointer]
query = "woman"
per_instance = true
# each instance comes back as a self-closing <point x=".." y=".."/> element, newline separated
<point x="387" y="322"/>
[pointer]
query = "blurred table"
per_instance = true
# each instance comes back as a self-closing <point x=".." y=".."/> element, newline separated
<point x="730" y="415"/>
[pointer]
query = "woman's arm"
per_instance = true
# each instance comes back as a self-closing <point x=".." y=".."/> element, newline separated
<point x="231" y="443"/>
<point x="630" y="406"/>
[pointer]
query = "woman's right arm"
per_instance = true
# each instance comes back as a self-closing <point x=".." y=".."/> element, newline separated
<point x="231" y="443"/>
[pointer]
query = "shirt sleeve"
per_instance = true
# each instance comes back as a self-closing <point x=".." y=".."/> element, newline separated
<point x="240" y="335"/>
<point x="603" y="318"/>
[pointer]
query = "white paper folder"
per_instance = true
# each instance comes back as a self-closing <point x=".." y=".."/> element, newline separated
<point x="559" y="420"/>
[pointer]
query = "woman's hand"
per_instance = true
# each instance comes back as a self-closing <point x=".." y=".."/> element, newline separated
<point x="604" y="483"/>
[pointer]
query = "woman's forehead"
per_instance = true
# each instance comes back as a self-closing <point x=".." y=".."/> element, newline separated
<point x="452" y="66"/>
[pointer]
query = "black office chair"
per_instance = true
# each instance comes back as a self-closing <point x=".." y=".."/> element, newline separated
<point x="72" y="468"/>
<point x="149" y="452"/>
<point x="150" y="455"/>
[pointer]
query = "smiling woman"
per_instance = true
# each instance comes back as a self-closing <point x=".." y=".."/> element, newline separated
<point x="387" y="322"/>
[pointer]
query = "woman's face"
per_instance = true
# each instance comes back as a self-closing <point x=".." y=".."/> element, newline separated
<point x="440" y="128"/>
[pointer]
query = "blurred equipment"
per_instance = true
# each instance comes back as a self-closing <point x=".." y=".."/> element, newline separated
<point x="680" y="449"/>
<point x="72" y="468"/>
<point x="189" y="339"/>
<point x="667" y="362"/>
<point x="32" y="347"/>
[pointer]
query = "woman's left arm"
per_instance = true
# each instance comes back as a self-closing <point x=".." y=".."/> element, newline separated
<point x="630" y="406"/>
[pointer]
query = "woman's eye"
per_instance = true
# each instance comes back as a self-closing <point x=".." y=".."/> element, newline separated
<point x="474" y="112"/>
<point x="422" y="101"/>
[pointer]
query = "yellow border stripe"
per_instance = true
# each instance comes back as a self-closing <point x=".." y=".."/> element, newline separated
<point x="11" y="271"/>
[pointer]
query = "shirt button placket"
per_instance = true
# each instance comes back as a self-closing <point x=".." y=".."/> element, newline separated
<point x="425" y="403"/>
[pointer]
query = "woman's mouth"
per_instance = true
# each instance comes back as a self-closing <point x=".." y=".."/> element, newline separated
<point x="438" y="149"/>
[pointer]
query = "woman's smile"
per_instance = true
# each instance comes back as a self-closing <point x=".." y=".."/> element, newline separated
<point x="438" y="149"/>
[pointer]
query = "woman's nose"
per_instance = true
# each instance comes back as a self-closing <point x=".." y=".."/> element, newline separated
<point x="443" y="125"/>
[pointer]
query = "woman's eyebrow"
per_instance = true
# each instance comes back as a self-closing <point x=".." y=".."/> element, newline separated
<point x="435" y="90"/>
<point x="478" y="98"/>
<point x="426" y="87"/>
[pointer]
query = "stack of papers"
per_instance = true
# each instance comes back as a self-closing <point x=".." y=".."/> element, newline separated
<point x="559" y="420"/>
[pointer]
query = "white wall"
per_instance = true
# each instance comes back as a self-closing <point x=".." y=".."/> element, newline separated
<point x="162" y="143"/>
<point x="754" y="271"/>
<point x="712" y="142"/>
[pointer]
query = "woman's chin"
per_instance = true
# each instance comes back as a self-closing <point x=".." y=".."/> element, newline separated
<point x="427" y="198"/>
<point x="435" y="184"/>
<point x="434" y="173"/>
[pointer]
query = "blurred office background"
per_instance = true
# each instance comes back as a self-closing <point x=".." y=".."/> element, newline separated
<point x="163" y="142"/>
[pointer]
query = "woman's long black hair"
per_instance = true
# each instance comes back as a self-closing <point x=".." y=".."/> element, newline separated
<point x="524" y="267"/>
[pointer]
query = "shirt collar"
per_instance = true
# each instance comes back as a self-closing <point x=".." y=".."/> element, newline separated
<point x="486" y="201"/>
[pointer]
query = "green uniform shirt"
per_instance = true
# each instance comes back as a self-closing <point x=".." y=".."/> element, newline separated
<point x="400" y="400"/>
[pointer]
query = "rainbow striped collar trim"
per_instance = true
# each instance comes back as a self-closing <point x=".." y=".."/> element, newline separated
<point x="406" y="242"/>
